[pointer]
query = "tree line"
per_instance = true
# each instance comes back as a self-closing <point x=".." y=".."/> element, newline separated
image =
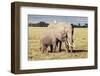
<point x="44" y="24"/>
<point x="40" y="24"/>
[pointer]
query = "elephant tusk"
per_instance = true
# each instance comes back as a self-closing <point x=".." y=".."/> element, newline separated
<point x="71" y="45"/>
<point x="66" y="43"/>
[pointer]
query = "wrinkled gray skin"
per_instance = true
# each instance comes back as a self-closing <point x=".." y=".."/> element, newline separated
<point x="50" y="38"/>
<point x="68" y="29"/>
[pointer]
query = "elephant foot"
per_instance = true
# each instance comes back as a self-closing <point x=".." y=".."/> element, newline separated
<point x="50" y="51"/>
<point x="70" y="51"/>
<point x="60" y="50"/>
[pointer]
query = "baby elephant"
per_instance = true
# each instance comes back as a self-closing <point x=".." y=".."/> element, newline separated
<point x="48" y="40"/>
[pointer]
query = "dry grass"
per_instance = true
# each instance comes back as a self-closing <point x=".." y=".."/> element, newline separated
<point x="80" y="49"/>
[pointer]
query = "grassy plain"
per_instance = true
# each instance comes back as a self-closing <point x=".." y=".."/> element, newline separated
<point x="80" y="41"/>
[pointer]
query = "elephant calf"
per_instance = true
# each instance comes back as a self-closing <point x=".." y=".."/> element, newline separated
<point x="48" y="41"/>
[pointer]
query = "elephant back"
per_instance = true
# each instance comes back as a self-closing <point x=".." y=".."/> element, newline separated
<point x="59" y="25"/>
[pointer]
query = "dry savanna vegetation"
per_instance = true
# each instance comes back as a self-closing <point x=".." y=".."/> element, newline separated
<point x="80" y="42"/>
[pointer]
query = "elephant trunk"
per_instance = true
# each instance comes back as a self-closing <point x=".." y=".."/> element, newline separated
<point x="70" y="38"/>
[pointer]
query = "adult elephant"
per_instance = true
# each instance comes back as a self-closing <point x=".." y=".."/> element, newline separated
<point x="68" y="29"/>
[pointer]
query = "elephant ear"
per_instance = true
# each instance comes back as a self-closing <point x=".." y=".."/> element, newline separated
<point x="59" y="36"/>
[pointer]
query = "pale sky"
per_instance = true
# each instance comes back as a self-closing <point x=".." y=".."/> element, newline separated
<point x="50" y="18"/>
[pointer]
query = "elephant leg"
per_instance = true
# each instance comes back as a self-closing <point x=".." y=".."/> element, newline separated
<point x="54" y="47"/>
<point x="44" y="48"/>
<point x="60" y="44"/>
<point x="67" y="46"/>
<point x="57" y="43"/>
<point x="51" y="48"/>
